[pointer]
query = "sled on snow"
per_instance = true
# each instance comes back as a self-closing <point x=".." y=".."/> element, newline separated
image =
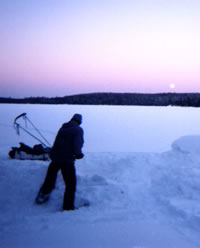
<point x="37" y="152"/>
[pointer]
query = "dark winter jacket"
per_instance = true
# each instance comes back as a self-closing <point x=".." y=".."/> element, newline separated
<point x="68" y="143"/>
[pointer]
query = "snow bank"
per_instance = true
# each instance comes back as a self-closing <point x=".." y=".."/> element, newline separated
<point x="187" y="144"/>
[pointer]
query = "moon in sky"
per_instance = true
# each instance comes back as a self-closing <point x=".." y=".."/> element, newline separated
<point x="172" y="86"/>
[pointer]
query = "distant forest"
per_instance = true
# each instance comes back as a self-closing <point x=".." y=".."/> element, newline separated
<point x="161" y="99"/>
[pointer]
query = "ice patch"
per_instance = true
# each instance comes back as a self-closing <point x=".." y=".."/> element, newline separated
<point x="187" y="144"/>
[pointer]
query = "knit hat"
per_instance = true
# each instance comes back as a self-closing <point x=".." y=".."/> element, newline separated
<point x="77" y="118"/>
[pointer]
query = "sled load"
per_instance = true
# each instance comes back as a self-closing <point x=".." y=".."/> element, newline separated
<point x="37" y="152"/>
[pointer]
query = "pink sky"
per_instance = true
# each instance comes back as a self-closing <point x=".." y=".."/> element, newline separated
<point x="57" y="49"/>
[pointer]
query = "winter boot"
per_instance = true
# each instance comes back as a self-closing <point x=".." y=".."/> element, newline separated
<point x="42" y="198"/>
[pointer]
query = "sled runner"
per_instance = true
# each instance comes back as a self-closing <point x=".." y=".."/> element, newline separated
<point x="37" y="152"/>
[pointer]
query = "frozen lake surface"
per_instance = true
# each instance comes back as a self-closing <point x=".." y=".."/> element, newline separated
<point x="109" y="128"/>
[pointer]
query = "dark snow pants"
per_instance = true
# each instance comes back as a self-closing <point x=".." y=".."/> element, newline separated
<point x="69" y="175"/>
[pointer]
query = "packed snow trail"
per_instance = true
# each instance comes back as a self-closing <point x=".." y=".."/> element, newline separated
<point x="144" y="197"/>
<point x="139" y="199"/>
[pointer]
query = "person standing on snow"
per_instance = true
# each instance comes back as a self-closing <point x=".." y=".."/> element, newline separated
<point x="66" y="148"/>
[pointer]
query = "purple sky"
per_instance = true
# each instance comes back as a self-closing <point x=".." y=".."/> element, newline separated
<point x="57" y="48"/>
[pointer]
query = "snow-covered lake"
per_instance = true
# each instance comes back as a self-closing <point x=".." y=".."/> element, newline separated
<point x="140" y="173"/>
<point x="109" y="128"/>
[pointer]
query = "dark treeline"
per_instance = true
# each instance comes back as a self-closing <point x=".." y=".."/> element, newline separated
<point x="161" y="99"/>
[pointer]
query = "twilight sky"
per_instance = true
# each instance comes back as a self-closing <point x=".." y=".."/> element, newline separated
<point x="64" y="47"/>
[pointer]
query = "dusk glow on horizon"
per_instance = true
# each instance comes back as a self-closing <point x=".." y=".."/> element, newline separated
<point x="58" y="48"/>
